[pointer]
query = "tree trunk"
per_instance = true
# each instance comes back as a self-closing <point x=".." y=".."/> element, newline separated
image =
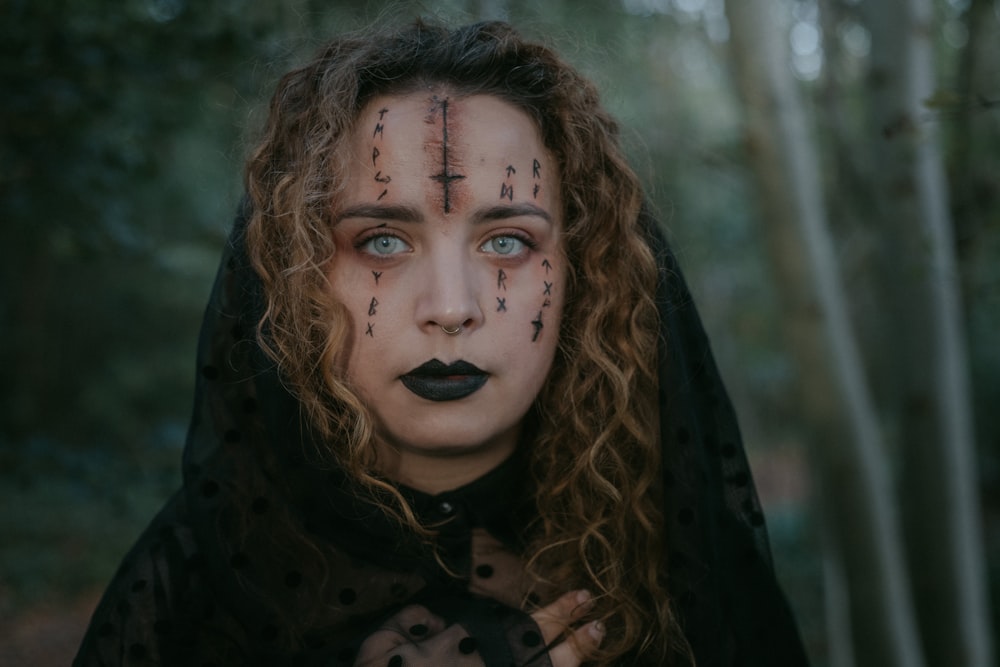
<point x="835" y="395"/>
<point x="939" y="484"/>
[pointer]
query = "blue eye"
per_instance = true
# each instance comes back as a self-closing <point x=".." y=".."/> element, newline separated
<point x="503" y="245"/>
<point x="384" y="244"/>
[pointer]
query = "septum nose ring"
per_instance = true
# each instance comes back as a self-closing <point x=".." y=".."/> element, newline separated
<point x="451" y="332"/>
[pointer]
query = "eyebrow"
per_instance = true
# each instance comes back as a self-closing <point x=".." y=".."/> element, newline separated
<point x="503" y="212"/>
<point x="379" y="212"/>
<point x="411" y="214"/>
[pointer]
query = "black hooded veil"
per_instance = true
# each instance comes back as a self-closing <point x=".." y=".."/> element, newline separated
<point x="208" y="583"/>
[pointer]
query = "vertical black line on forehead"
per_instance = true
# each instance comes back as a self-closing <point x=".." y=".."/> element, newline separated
<point x="446" y="176"/>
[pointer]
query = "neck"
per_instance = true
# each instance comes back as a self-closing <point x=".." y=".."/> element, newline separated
<point x="437" y="471"/>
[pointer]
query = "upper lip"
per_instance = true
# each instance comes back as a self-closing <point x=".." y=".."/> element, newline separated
<point x="437" y="368"/>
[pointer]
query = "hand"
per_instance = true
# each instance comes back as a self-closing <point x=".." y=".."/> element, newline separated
<point x="415" y="636"/>
<point x="557" y="619"/>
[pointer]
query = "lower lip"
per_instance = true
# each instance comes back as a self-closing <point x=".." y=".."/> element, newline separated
<point x="443" y="388"/>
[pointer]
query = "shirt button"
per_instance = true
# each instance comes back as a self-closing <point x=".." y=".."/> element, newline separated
<point x="446" y="508"/>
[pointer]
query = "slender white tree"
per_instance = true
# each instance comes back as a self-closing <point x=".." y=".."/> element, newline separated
<point x="835" y="395"/>
<point x="934" y="407"/>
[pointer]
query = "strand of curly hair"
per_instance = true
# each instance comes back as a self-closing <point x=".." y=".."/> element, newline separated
<point x="595" y="457"/>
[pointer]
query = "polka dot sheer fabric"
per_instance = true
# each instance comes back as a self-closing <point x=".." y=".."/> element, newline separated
<point x="266" y="558"/>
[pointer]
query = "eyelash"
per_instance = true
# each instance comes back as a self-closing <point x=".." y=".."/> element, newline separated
<point x="360" y="244"/>
<point x="528" y="242"/>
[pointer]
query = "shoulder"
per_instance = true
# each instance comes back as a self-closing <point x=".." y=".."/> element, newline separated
<point x="158" y="608"/>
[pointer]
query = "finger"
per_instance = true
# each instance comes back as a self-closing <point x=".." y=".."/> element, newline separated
<point x="556" y="618"/>
<point x="579" y="646"/>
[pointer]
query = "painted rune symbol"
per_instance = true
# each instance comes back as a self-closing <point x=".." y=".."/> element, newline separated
<point x="510" y="170"/>
<point x="548" y="267"/>
<point x="375" y="154"/>
<point x="534" y="192"/>
<point x="507" y="191"/>
<point x="537" y="323"/>
<point x="382" y="179"/>
<point x="536" y="167"/>
<point x="501" y="280"/>
<point x="446" y="177"/>
<point x="377" y="274"/>
<point x="501" y="305"/>
<point x="369" y="332"/>
<point x="371" y="306"/>
<point x="548" y="288"/>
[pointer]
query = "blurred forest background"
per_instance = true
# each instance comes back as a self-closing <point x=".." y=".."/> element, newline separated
<point x="829" y="172"/>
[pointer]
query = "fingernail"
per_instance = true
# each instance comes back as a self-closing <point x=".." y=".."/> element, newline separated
<point x="583" y="597"/>
<point x="596" y="630"/>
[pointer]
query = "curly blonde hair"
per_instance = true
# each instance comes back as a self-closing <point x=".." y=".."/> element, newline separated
<point x="595" y="454"/>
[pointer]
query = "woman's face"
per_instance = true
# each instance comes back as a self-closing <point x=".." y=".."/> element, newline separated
<point x="450" y="222"/>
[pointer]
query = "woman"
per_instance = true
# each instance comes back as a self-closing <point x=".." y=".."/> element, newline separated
<point x="429" y="427"/>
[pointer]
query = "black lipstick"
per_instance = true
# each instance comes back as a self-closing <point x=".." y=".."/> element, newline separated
<point x="437" y="381"/>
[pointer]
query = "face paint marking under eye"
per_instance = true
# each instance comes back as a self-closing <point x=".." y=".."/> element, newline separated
<point x="501" y="305"/>
<point x="446" y="176"/>
<point x="377" y="274"/>
<point x="548" y="267"/>
<point x="548" y="288"/>
<point x="371" y="306"/>
<point x="501" y="280"/>
<point x="534" y="192"/>
<point x="369" y="332"/>
<point x="536" y="168"/>
<point x="537" y="323"/>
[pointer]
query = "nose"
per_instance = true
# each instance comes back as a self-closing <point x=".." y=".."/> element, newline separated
<point x="449" y="297"/>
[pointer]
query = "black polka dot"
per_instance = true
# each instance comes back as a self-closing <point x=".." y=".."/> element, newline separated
<point x="293" y="579"/>
<point x="395" y="661"/>
<point x="209" y="372"/>
<point x="484" y="571"/>
<point x="137" y="651"/>
<point x="239" y="561"/>
<point x="347" y="596"/>
<point x="468" y="645"/>
<point x="685" y="516"/>
<point x="209" y="488"/>
<point x="260" y="505"/>
<point x="232" y="436"/>
<point x="418" y="630"/>
<point x="531" y="639"/>
<point x="139" y="585"/>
